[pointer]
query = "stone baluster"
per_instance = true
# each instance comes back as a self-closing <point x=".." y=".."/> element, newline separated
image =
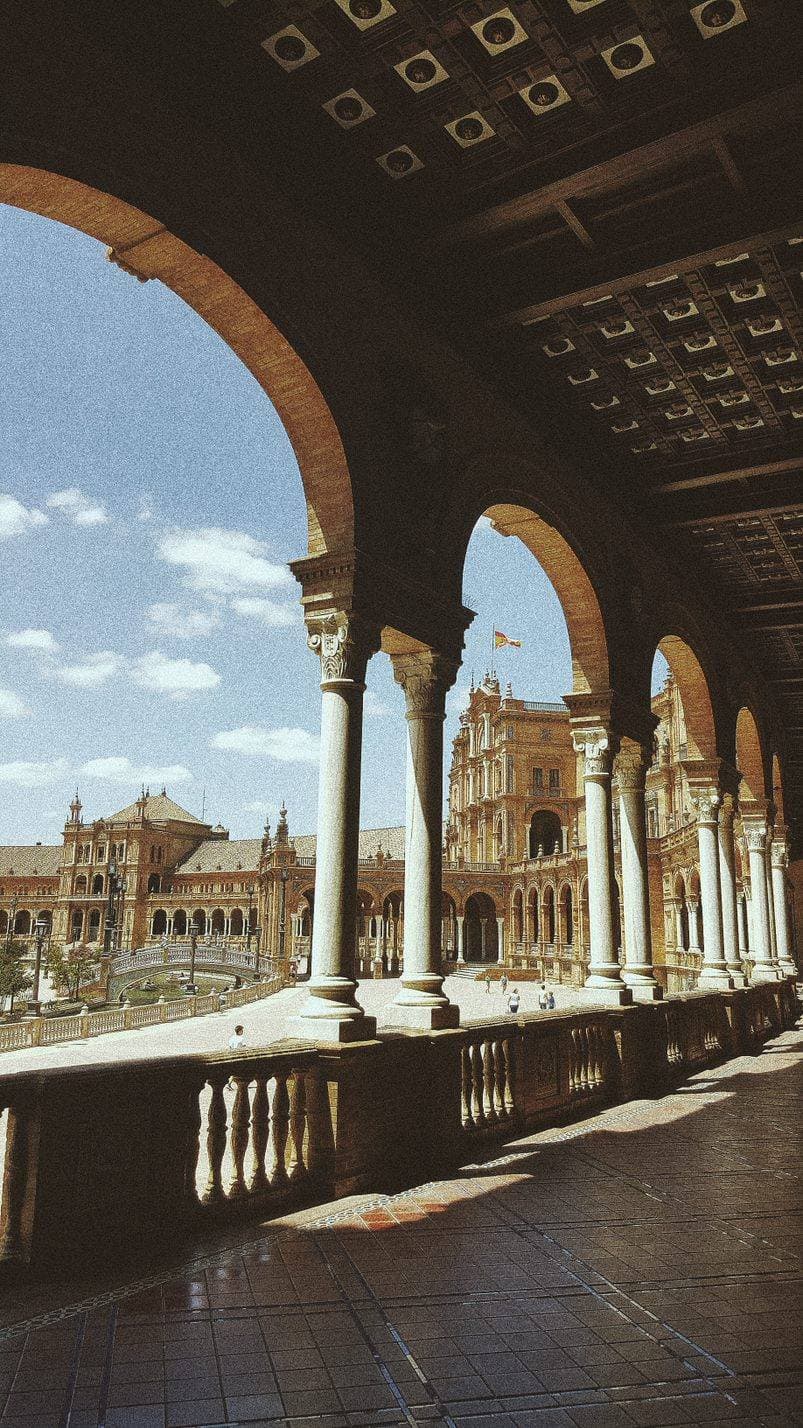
<point x="280" y="1127"/>
<point x="764" y="967"/>
<point x="240" y="1117"/>
<point x="216" y="1143"/>
<point x="298" y="1127"/>
<point x="714" y="972"/>
<point x="260" y="1131"/>
<point x="425" y="677"/>
<point x="780" y="862"/>
<point x="631" y="775"/>
<point x="727" y="880"/>
<point x="331" y="1012"/>
<point x="597" y="745"/>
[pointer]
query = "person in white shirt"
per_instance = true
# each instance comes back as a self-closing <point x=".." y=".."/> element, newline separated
<point x="237" y="1039"/>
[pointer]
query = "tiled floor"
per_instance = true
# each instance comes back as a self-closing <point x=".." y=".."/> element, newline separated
<point x="640" y="1268"/>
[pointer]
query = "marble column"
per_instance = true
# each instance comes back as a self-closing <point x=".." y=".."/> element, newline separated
<point x="741" y="925"/>
<point x="727" y="882"/>
<point x="331" y="1012"/>
<point x="604" y="976"/>
<point x="637" y="973"/>
<point x="425" y="678"/>
<point x="780" y="859"/>
<point x="714" y="970"/>
<point x="770" y="897"/>
<point x="764" y="969"/>
<point x="461" y="955"/>
<point x="500" y="939"/>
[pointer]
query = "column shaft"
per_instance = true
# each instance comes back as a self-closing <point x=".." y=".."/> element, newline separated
<point x="727" y="880"/>
<point x="764" y="969"/>
<point x="714" y="971"/>
<point x="631" y="777"/>
<point x="460" y="944"/>
<point x="331" y="1011"/>
<point x="500" y="939"/>
<point x="782" y="927"/>
<point x="604" y="974"/>
<point x="425" y="677"/>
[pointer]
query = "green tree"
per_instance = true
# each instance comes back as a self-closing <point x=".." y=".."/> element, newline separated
<point x="15" y="978"/>
<point x="68" y="967"/>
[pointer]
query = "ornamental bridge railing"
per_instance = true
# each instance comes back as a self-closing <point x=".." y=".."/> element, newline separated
<point x="159" y="1149"/>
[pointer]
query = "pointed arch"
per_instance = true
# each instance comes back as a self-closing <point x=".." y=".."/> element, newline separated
<point x="749" y="758"/>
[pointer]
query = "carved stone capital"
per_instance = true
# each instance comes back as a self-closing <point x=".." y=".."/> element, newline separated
<point x="780" y="855"/>
<point x="706" y="803"/>
<point x="344" y="644"/>
<point x="598" y="745"/>
<point x="756" y="839"/>
<point x="631" y="769"/>
<point x="425" y="676"/>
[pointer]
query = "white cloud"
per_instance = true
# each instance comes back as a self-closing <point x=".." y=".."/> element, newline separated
<point x="180" y="623"/>
<point x="458" y="699"/>
<point x="121" y="770"/>
<point x="16" y="519"/>
<point x="32" y="640"/>
<point x="146" y="511"/>
<point x="27" y="774"/>
<point x="92" y="670"/>
<point x="269" y="612"/>
<point x="77" y="507"/>
<point x="373" y="707"/>
<point x="285" y="745"/>
<point x="11" y="706"/>
<point x="222" y="562"/>
<point x="176" y="677"/>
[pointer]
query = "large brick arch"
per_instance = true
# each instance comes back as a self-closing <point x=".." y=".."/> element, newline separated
<point x="695" y="696"/>
<point x="577" y="594"/>
<point x="148" y="250"/>
<point x="750" y="758"/>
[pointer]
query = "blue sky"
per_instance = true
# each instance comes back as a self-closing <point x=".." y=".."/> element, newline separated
<point x="149" y="631"/>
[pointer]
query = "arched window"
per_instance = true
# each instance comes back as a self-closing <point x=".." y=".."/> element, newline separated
<point x="533" y="930"/>
<point x="567" y="908"/>
<point x="97" y="885"/>
<point x="180" y="923"/>
<point x="199" y="920"/>
<point x="154" y="883"/>
<point x="549" y="916"/>
<point x="22" y="924"/>
<point x="545" y="834"/>
<point x="80" y="885"/>
<point x="217" y="922"/>
<point x="94" y="925"/>
<point x="518" y="916"/>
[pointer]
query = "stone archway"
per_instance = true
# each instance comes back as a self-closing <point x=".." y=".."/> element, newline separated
<point x="545" y="834"/>
<point x="481" y="933"/>
<point x="142" y="246"/>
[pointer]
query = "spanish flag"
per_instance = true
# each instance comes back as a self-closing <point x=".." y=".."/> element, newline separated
<point x="500" y="641"/>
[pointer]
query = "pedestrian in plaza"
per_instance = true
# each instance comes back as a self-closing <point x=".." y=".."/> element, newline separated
<point x="543" y="998"/>
<point x="237" y="1039"/>
<point x="487" y="981"/>
<point x="551" y="1001"/>
<point x="514" y="1001"/>
<point x="503" y="983"/>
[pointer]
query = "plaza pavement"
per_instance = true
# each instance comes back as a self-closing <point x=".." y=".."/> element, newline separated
<point x="264" y="1022"/>
<point x="638" y="1268"/>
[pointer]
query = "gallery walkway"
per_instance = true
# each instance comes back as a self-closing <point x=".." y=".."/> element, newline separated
<point x="641" y="1267"/>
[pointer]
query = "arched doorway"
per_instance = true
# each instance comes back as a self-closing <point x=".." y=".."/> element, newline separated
<point x="236" y="922"/>
<point x="393" y="919"/>
<point x="545" y="835"/>
<point x="567" y="916"/>
<point x="481" y="934"/>
<point x="548" y="915"/>
<point x="22" y="924"/>
<point x="533" y="928"/>
<point x="518" y="917"/>
<point x="94" y="925"/>
<point x="159" y="924"/>
<point x="199" y="922"/>
<point x="180" y="923"/>
<point x="97" y="885"/>
<point x="217" y="923"/>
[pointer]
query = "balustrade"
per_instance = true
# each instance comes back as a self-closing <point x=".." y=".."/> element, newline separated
<point x="157" y="1147"/>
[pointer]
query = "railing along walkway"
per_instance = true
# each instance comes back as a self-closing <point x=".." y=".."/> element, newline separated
<point x="156" y="1148"/>
<point x="50" y="1030"/>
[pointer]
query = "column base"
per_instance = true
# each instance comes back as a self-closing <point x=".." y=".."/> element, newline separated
<point x="329" y="1030"/>
<point x="765" y="973"/>
<point x="646" y="991"/>
<point x="606" y="993"/>
<point x="738" y="977"/>
<point x="788" y="969"/>
<point x="715" y="979"/>
<point x="419" y="1018"/>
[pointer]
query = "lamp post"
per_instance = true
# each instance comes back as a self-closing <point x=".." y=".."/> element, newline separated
<point x="194" y="930"/>
<point x="40" y="930"/>
<point x="258" y="935"/>
<point x="12" y="913"/>
<point x="283" y="913"/>
<point x="108" y="931"/>
<point x="248" y="927"/>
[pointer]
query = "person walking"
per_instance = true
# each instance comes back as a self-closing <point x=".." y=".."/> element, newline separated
<point x="487" y="981"/>
<point x="551" y="1006"/>
<point x="503" y="983"/>
<point x="513" y="1001"/>
<point x="237" y="1039"/>
<point x="543" y="998"/>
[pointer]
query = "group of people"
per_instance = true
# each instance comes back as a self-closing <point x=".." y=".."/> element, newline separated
<point x="546" y="998"/>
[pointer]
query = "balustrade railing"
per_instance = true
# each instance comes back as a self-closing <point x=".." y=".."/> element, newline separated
<point x="157" y="1148"/>
<point x="49" y="1030"/>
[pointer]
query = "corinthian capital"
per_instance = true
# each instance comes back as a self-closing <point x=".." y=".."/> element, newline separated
<point x="344" y="643"/>
<point x="631" y="768"/>
<point x="779" y="854"/>
<point x="425" y="677"/>
<point x="706" y="802"/>
<point x="756" y="839"/>
<point x="598" y="745"/>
